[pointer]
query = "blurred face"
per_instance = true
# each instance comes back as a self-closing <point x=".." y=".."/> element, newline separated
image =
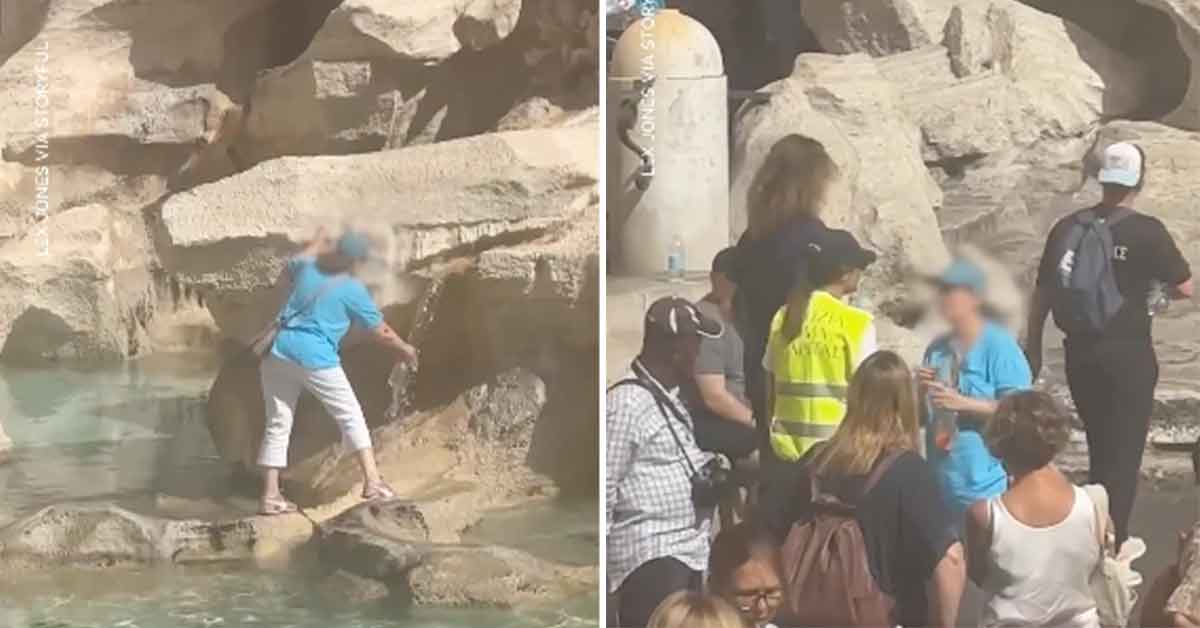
<point x="958" y="304"/>
<point x="757" y="593"/>
<point x="851" y="280"/>
<point x="722" y="287"/>
<point x="687" y="349"/>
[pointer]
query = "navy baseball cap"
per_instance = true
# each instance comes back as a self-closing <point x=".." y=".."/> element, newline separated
<point x="673" y="316"/>
<point x="833" y="252"/>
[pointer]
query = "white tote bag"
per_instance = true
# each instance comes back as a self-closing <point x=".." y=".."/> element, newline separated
<point x="1114" y="581"/>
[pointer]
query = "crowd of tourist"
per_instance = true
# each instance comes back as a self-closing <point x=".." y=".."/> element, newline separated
<point x="869" y="491"/>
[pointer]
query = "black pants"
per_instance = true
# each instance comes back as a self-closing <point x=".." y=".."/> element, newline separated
<point x="647" y="587"/>
<point x="756" y="391"/>
<point x="1112" y="383"/>
<point x="721" y="435"/>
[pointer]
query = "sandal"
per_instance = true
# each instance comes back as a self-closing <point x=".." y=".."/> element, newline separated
<point x="278" y="506"/>
<point x="376" y="491"/>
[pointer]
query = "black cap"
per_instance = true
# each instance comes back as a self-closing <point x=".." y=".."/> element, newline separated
<point x="835" y="251"/>
<point x="723" y="262"/>
<point x="673" y="316"/>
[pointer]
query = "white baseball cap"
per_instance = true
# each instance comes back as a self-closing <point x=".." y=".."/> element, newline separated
<point x="1122" y="165"/>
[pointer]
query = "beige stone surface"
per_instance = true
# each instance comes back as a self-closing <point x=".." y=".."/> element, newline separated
<point x="428" y="32"/>
<point x="1011" y="76"/>
<point x="876" y="27"/>
<point x="105" y="535"/>
<point x="75" y="286"/>
<point x="231" y="237"/>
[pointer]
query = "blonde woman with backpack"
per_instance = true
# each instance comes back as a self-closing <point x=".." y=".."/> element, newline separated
<point x="867" y="538"/>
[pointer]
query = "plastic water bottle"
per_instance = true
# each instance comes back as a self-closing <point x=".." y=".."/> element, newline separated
<point x="944" y="423"/>
<point x="1158" y="301"/>
<point x="400" y="382"/>
<point x="676" y="259"/>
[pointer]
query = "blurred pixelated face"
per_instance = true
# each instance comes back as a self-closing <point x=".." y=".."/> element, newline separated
<point x="722" y="286"/>
<point x="851" y="280"/>
<point x="957" y="303"/>
<point x="756" y="591"/>
<point x="687" y="350"/>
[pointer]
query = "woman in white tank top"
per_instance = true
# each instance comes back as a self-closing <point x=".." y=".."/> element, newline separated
<point x="1033" y="549"/>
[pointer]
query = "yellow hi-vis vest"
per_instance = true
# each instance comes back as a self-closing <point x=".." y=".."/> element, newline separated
<point x="812" y="372"/>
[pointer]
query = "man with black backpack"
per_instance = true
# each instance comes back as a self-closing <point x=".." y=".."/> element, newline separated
<point x="1102" y="275"/>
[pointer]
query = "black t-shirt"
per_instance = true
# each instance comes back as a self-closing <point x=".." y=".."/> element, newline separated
<point x="765" y="271"/>
<point x="904" y="520"/>
<point x="1143" y="252"/>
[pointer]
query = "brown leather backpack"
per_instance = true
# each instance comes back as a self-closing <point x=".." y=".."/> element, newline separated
<point x="827" y="577"/>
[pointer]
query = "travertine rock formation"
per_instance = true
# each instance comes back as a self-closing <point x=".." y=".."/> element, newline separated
<point x="1002" y="99"/>
<point x="124" y="105"/>
<point x="389" y="542"/>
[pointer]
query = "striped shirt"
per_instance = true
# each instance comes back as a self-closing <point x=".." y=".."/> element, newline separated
<point x="648" y="493"/>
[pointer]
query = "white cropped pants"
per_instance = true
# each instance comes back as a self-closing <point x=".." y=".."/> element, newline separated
<point x="282" y="383"/>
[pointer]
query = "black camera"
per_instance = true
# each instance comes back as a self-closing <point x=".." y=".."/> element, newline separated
<point x="712" y="482"/>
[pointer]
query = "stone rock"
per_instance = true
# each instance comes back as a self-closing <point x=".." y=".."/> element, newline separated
<point x="1023" y="75"/>
<point x="968" y="41"/>
<point x="493" y="576"/>
<point x="105" y="535"/>
<point x="377" y="540"/>
<point x="427" y="32"/>
<point x="77" y="285"/>
<point x="506" y="409"/>
<point x="389" y="542"/>
<point x="379" y="75"/>
<point x="230" y="238"/>
<point x="133" y="91"/>
<point x="1186" y="15"/>
<point x="563" y="51"/>
<point x="876" y="27"/>
<point x="886" y="196"/>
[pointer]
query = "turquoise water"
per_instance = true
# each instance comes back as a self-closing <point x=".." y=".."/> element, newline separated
<point x="180" y="598"/>
<point x="134" y="434"/>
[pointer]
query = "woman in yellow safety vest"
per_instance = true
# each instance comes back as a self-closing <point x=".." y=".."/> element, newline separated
<point x="816" y="342"/>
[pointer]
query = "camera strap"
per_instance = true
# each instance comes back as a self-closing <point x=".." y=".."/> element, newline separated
<point x="666" y="415"/>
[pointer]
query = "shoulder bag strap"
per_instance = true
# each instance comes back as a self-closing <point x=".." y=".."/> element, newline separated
<point x="666" y="417"/>
<point x="1121" y="213"/>
<point x="880" y="468"/>
<point x="1099" y="497"/>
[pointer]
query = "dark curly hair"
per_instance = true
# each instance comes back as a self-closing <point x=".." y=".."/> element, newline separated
<point x="1028" y="430"/>
<point x="737" y="546"/>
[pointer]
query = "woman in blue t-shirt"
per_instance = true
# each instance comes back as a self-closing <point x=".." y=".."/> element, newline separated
<point x="964" y="374"/>
<point x="325" y="300"/>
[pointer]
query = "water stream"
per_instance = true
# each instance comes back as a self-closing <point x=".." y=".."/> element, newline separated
<point x="403" y="378"/>
<point x="134" y="434"/>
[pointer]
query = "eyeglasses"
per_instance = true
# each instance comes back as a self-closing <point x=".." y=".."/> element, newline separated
<point x="747" y="600"/>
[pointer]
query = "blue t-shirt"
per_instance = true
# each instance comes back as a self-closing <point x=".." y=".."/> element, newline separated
<point x="995" y="366"/>
<point x="311" y="339"/>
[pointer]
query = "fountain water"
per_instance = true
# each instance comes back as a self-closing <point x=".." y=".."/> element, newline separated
<point x="404" y="376"/>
